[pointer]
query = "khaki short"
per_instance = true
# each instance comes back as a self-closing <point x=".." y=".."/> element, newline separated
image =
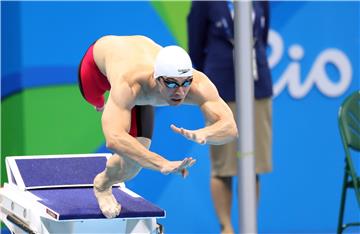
<point x="223" y="157"/>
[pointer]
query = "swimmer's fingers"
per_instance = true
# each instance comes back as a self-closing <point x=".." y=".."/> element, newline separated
<point x="176" y="129"/>
<point x="192" y="162"/>
<point x="178" y="167"/>
<point x="186" y="133"/>
<point x="186" y="163"/>
<point x="189" y="134"/>
<point x="184" y="171"/>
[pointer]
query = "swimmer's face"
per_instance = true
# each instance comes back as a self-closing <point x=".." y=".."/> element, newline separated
<point x="174" y="89"/>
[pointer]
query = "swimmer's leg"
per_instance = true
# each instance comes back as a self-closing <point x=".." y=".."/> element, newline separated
<point x="118" y="169"/>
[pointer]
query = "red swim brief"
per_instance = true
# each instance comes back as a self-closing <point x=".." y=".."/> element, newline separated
<point x="93" y="85"/>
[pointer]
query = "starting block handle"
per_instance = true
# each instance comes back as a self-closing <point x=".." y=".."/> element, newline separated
<point x="18" y="222"/>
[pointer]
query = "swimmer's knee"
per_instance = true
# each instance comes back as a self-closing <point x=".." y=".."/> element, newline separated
<point x="114" y="167"/>
<point x="146" y="142"/>
<point x="115" y="161"/>
<point x="130" y="169"/>
<point x="121" y="169"/>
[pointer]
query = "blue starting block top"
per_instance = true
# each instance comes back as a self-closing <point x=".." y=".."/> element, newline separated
<point x="59" y="172"/>
<point x="64" y="184"/>
<point x="80" y="203"/>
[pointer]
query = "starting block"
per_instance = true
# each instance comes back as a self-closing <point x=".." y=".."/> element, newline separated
<point x="54" y="194"/>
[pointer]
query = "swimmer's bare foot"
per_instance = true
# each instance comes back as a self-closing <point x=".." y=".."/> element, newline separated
<point x="107" y="202"/>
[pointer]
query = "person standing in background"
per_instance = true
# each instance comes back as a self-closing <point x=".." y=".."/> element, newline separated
<point x="211" y="45"/>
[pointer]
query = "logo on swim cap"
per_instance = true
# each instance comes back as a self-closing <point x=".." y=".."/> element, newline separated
<point x="182" y="71"/>
<point x="173" y="61"/>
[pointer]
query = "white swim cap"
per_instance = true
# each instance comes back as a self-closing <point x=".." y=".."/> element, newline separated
<point x="173" y="61"/>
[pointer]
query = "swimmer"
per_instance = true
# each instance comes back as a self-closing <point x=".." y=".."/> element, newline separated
<point x="140" y="74"/>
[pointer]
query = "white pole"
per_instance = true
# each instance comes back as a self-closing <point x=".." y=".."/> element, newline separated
<point x="244" y="102"/>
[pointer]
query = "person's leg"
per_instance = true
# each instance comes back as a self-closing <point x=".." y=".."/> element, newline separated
<point x="118" y="169"/>
<point x="263" y="139"/>
<point x="223" y="167"/>
<point x="257" y="188"/>
<point x="221" y="191"/>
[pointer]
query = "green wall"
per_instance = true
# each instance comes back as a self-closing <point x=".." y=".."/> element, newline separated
<point x="48" y="120"/>
<point x="174" y="15"/>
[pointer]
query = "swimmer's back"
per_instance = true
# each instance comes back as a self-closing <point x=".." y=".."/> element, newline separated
<point x="127" y="52"/>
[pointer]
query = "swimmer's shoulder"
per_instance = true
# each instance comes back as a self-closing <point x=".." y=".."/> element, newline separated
<point x="111" y="40"/>
<point x="144" y="40"/>
<point x="202" y="89"/>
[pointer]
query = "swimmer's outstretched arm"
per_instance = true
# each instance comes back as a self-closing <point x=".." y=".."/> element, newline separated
<point x="221" y="127"/>
<point x="221" y="131"/>
<point x="116" y="123"/>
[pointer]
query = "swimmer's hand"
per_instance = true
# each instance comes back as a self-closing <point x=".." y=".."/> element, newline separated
<point x="192" y="135"/>
<point x="178" y="167"/>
